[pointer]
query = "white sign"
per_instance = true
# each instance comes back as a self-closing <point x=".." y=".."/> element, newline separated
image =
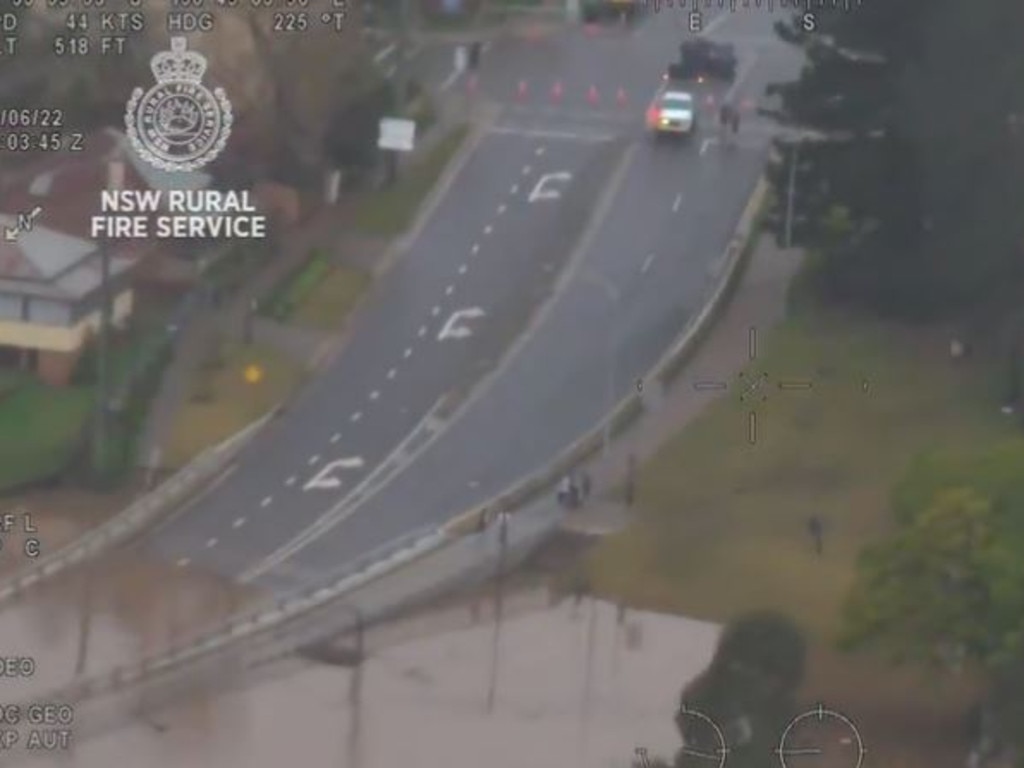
<point x="178" y="124"/>
<point x="461" y="58"/>
<point x="540" y="192"/>
<point x="397" y="134"/>
<point x="452" y="329"/>
<point x="325" y="477"/>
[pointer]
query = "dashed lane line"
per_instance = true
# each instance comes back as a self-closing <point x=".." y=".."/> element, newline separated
<point x="356" y="416"/>
<point x="266" y="501"/>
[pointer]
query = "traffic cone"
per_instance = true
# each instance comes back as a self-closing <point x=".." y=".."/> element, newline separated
<point x="592" y="96"/>
<point x="620" y="97"/>
<point x="521" y="90"/>
<point x="556" y="91"/>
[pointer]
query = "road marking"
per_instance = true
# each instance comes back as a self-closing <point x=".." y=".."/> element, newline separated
<point x="374" y="395"/>
<point x="502" y="208"/>
<point x="462" y="269"/>
<point x="450" y="80"/>
<point x="392" y="373"/>
<point x="488" y="229"/>
<point x="526" y="170"/>
<point x="314" y="459"/>
<point x="452" y="329"/>
<point x="514" y="190"/>
<point x="538" y="151"/>
<point x="356" y="416"/>
<point x="540" y="192"/>
<point x="183" y="562"/>
<point x="239" y="522"/>
<point x="449" y="290"/>
<point x="408" y="353"/>
<point x="291" y="480"/>
<point x="335" y="437"/>
<point x="326" y="478"/>
<point x="422" y="331"/>
<point x="266" y="501"/>
<point x="475" y="249"/>
<point x="211" y="543"/>
<point x="707" y="143"/>
<point x="677" y="202"/>
<point x="647" y="263"/>
<point x="435" y="311"/>
<point x="542" y="133"/>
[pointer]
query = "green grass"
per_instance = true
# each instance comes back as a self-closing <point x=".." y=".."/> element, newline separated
<point x="222" y="402"/>
<point x="332" y="299"/>
<point x="722" y="523"/>
<point x="40" y="429"/>
<point x="392" y="210"/>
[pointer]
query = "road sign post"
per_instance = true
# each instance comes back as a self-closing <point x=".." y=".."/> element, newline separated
<point x="396" y="135"/>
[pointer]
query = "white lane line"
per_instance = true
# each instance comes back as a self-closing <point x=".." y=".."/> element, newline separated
<point x="475" y="249"/>
<point x="291" y="480"/>
<point x="647" y="263"/>
<point x="526" y="170"/>
<point x="183" y="562"/>
<point x="676" y="203"/>
<point x="449" y="290"/>
<point x="375" y="395"/>
<point x="266" y="502"/>
<point x="435" y="311"/>
<point x="488" y="229"/>
<point x="314" y="459"/>
<point x="211" y="543"/>
<point x="705" y="144"/>
<point x="239" y="522"/>
<point x="538" y="151"/>
<point x="392" y="373"/>
<point x="502" y="208"/>
<point x="514" y="190"/>
<point x="422" y="331"/>
<point x="335" y="437"/>
<point x="408" y="353"/>
<point x="462" y="269"/>
<point x="356" y="416"/>
<point x="450" y="80"/>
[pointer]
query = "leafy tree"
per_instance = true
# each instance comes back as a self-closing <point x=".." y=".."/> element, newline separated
<point x="749" y="690"/>
<point x="944" y="589"/>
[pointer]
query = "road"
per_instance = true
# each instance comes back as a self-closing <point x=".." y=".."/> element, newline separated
<point x="625" y="232"/>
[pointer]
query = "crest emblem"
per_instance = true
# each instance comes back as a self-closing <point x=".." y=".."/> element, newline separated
<point x="178" y="124"/>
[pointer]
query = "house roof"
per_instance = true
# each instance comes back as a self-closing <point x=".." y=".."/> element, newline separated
<point x="67" y="185"/>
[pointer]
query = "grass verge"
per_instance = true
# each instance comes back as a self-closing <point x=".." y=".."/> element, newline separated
<point x="223" y="401"/>
<point x="391" y="210"/>
<point x="40" y="429"/>
<point x="721" y="524"/>
<point x="332" y="299"/>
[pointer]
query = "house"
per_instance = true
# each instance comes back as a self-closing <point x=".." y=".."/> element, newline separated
<point x="51" y="298"/>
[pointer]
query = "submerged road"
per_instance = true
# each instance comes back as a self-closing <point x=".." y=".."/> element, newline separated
<point x="566" y="188"/>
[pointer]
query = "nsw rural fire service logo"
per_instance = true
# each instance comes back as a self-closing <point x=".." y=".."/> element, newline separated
<point x="178" y="124"/>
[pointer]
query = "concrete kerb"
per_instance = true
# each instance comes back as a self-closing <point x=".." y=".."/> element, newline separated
<point x="131" y="521"/>
<point x="733" y="261"/>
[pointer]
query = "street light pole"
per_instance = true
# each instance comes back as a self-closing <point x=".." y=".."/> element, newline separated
<point x="355" y="689"/>
<point x="499" y="597"/>
<point x="791" y="194"/>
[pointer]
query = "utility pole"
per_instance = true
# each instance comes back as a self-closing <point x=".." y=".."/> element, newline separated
<point x="84" y="621"/>
<point x="355" y="690"/>
<point x="401" y="77"/>
<point x="115" y="180"/>
<point x="791" y="194"/>
<point x="499" y="596"/>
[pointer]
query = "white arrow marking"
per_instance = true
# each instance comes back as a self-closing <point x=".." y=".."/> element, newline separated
<point x="325" y="477"/>
<point x="452" y="329"/>
<point x="11" y="234"/>
<point x="540" y="193"/>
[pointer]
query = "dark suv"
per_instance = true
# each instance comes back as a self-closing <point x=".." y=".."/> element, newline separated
<point x="700" y="59"/>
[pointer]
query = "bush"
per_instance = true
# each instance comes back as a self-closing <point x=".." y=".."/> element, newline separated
<point x="767" y="645"/>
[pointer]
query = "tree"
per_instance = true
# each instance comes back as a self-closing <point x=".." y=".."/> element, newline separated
<point x="944" y="589"/>
<point x="749" y="691"/>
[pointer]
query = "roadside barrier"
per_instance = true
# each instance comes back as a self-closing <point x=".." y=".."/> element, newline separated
<point x="130" y="522"/>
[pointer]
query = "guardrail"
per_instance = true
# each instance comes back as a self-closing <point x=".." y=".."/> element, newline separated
<point x="139" y="515"/>
<point x="301" y="620"/>
<point x="726" y="272"/>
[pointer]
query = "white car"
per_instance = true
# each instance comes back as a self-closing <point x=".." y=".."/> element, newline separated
<point x="672" y="112"/>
